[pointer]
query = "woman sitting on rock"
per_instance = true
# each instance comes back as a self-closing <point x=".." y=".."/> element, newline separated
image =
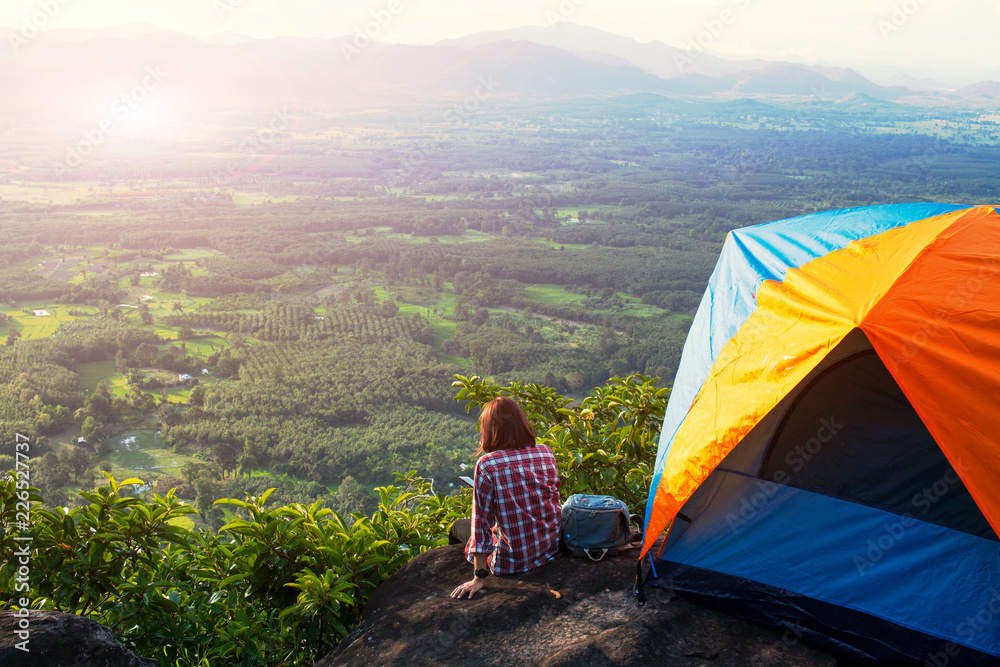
<point x="515" y="520"/>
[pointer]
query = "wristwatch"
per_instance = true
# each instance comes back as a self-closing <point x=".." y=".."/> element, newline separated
<point x="482" y="573"/>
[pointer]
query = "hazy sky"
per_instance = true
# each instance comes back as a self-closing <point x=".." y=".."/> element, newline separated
<point x="951" y="39"/>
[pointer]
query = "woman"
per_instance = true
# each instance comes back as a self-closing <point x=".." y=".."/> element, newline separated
<point x="515" y="504"/>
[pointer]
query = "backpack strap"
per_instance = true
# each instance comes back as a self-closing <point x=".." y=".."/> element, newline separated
<point x="604" y="552"/>
<point x="635" y="539"/>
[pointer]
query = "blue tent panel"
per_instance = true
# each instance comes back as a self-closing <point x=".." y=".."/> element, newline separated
<point x="929" y="579"/>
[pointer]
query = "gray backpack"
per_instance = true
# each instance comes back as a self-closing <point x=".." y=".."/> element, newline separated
<point x="595" y="526"/>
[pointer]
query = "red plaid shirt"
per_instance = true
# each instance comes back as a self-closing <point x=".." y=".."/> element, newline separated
<point x="516" y="516"/>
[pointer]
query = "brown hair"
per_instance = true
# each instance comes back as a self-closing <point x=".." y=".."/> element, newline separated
<point x="502" y="425"/>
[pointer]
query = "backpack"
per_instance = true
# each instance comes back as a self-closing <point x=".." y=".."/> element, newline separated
<point x="595" y="526"/>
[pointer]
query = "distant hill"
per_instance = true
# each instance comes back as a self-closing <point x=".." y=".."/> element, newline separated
<point x="861" y="101"/>
<point x="913" y="83"/>
<point x="657" y="58"/>
<point x="77" y="74"/>
<point x="985" y="90"/>
<point x="129" y="30"/>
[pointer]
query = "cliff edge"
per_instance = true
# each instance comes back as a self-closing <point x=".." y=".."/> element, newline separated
<point x="568" y="612"/>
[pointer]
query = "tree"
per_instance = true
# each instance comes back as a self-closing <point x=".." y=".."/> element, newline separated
<point x="13" y="336"/>
<point x="44" y="422"/>
<point x="141" y="401"/>
<point x="235" y="340"/>
<point x="481" y="317"/>
<point x="192" y="470"/>
<point x="197" y="396"/>
<point x="277" y="373"/>
<point x="78" y="460"/>
<point x="351" y="496"/>
<point x="91" y="429"/>
<point x="389" y="309"/>
<point x="185" y="333"/>
<point x="121" y="363"/>
<point x="204" y="493"/>
<point x="439" y="464"/>
<point x="49" y="472"/>
<point x="478" y="349"/>
<point x="248" y="459"/>
<point x="227" y="455"/>
<point x="167" y="414"/>
<point x="178" y="307"/>
<point x="145" y="354"/>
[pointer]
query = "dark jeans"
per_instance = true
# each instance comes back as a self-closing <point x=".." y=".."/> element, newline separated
<point x="460" y="531"/>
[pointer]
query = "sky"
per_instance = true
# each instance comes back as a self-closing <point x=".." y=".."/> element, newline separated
<point x="952" y="40"/>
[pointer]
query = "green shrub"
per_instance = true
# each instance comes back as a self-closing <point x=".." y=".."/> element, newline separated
<point x="283" y="585"/>
<point x="606" y="445"/>
<point x="276" y="586"/>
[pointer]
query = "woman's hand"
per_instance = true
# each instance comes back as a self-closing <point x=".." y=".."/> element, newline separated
<point x="470" y="587"/>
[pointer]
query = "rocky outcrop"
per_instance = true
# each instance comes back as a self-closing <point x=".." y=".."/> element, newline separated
<point x="569" y="612"/>
<point x="63" y="640"/>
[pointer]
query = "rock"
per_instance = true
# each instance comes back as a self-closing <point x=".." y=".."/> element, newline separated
<point x="566" y="613"/>
<point x="63" y="640"/>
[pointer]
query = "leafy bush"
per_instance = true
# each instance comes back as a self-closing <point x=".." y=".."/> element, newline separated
<point x="283" y="585"/>
<point x="605" y="445"/>
<point x="276" y="586"/>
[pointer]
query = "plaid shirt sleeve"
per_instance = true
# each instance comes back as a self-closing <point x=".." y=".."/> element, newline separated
<point x="481" y="540"/>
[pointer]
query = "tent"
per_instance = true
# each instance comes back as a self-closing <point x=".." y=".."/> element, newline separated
<point x="829" y="461"/>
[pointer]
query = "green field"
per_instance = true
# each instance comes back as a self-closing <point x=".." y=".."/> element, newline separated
<point x="192" y="253"/>
<point x="162" y="303"/>
<point x="44" y="192"/>
<point x="204" y="346"/>
<point x="573" y="212"/>
<point x="141" y="454"/>
<point x="573" y="246"/>
<point x="552" y="294"/>
<point x="91" y="373"/>
<point x="32" y="326"/>
<point x="443" y="329"/>
<point x="251" y="198"/>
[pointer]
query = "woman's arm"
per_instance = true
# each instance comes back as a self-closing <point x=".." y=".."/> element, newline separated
<point x="477" y="584"/>
<point x="481" y="543"/>
<point x="483" y="514"/>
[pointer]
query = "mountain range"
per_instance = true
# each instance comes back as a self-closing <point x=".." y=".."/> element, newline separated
<point x="66" y="71"/>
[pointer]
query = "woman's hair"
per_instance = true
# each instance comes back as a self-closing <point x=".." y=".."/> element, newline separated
<point x="502" y="425"/>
